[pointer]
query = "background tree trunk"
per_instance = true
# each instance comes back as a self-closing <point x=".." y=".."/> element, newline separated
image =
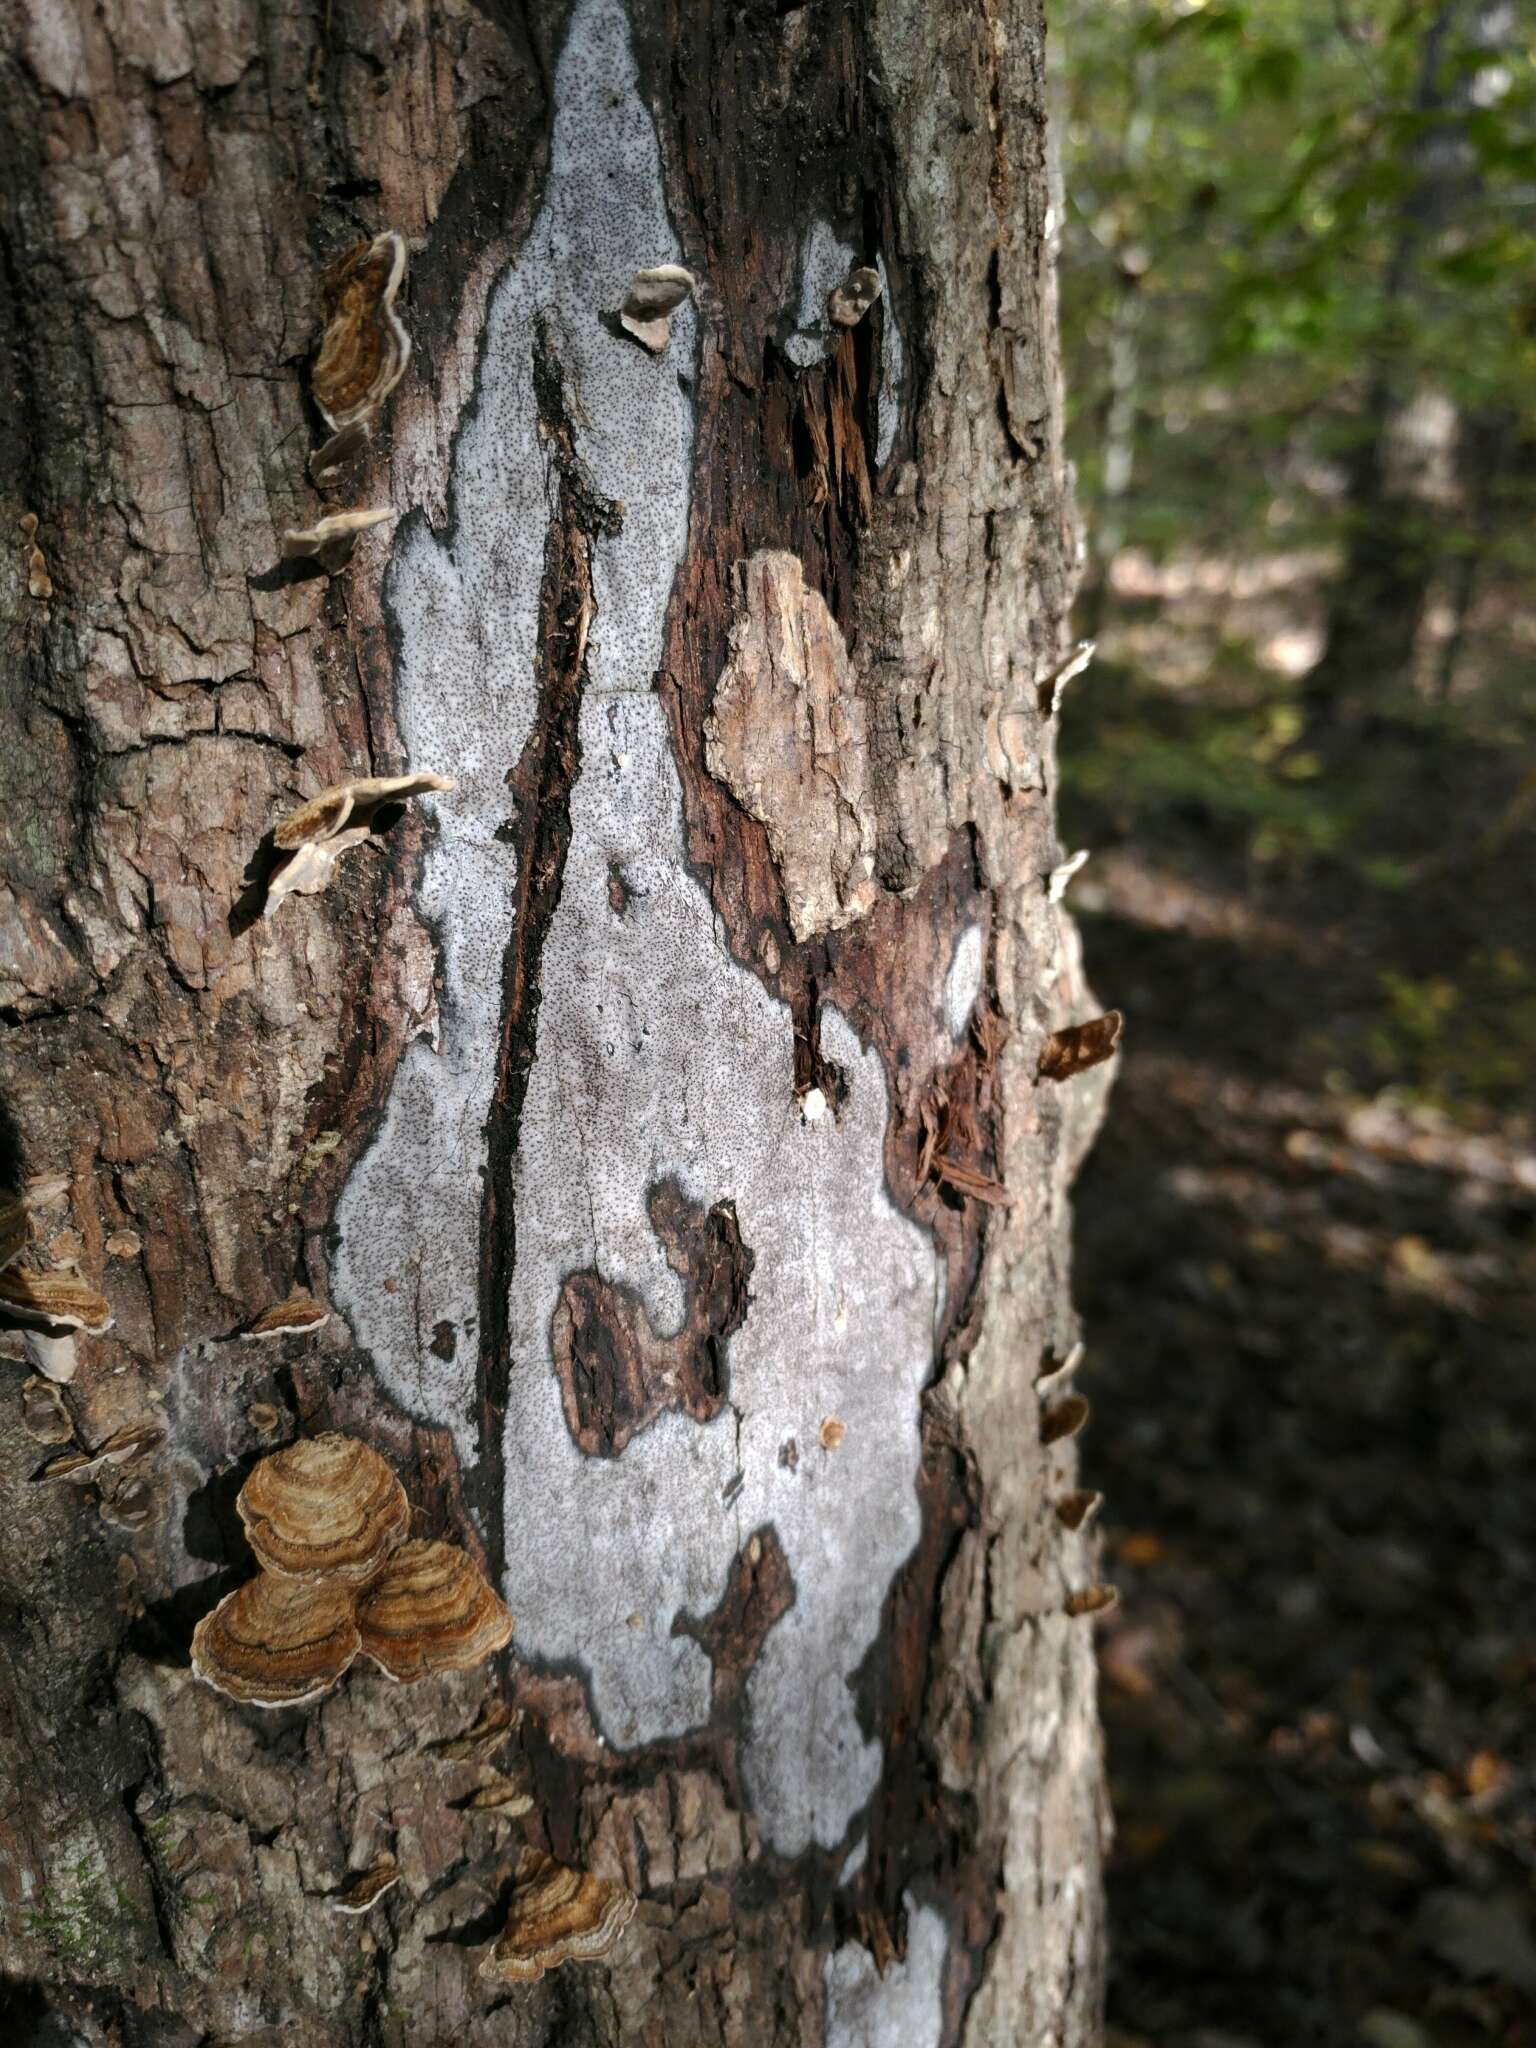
<point x="737" y="656"/>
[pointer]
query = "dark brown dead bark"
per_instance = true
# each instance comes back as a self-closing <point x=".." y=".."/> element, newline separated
<point x="857" y="1192"/>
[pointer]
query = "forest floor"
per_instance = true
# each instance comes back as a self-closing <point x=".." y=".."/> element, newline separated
<point x="1307" y="1268"/>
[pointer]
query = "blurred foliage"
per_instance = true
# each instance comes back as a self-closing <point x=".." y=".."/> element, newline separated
<point x="1288" y="227"/>
<point x="1245" y="171"/>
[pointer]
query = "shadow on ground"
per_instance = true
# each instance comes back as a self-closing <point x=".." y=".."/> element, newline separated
<point x="1309" y="1319"/>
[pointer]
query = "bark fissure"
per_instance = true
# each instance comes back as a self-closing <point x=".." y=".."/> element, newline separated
<point x="541" y="782"/>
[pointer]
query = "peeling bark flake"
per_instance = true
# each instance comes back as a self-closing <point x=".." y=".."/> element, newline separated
<point x="787" y="735"/>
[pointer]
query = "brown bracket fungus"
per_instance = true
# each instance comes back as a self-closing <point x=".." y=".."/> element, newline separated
<point x="1077" y="1510"/>
<point x="316" y="834"/>
<point x="367" y="1887"/>
<point x="364" y="350"/>
<point x="653" y="297"/>
<point x="330" y="541"/>
<point x="483" y="1739"/>
<point x="43" y="1414"/>
<point x="295" y="1317"/>
<point x="556" y="1916"/>
<point x="1091" y="1600"/>
<point x="130" y="1506"/>
<point x="1064" y="1418"/>
<point x="50" y="1309"/>
<point x="277" y="1642"/>
<point x="327" y="1508"/>
<point x="331" y="457"/>
<point x="15" y="1229"/>
<point x="53" y="1301"/>
<point x="848" y="302"/>
<point x="123" y="1447"/>
<point x="429" y="1610"/>
<point x="503" y="1797"/>
<point x="1080" y="1046"/>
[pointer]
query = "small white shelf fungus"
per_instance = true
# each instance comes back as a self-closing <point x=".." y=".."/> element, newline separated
<point x="330" y="541"/>
<point x="1050" y="687"/>
<point x="653" y="297"/>
<point x="1060" y="877"/>
<point x="319" y="832"/>
<point x="848" y="302"/>
<point x="364" y="350"/>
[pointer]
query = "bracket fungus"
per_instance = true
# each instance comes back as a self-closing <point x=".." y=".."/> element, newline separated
<point x="43" y="1414"/>
<point x="1077" y="1510"/>
<point x="1078" y="1047"/>
<point x="295" y="1317"/>
<point x="326" y="1507"/>
<point x="15" y="1229"/>
<point x="503" y="1797"/>
<point x="556" y="1916"/>
<point x="430" y="1609"/>
<point x="50" y="1309"/>
<point x="364" y="350"/>
<point x="314" y="836"/>
<point x="367" y="1887"/>
<point x="331" y="457"/>
<point x="848" y="302"/>
<point x="653" y="297"/>
<point x="484" y="1738"/>
<point x="330" y="540"/>
<point x="1091" y="1600"/>
<point x="53" y="1301"/>
<point x="277" y="1642"/>
<point x="123" y="1447"/>
<point x="1064" y="1418"/>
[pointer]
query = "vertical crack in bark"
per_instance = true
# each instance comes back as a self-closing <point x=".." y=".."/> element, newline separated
<point x="541" y="785"/>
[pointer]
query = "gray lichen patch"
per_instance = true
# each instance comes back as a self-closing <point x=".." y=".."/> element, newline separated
<point x="658" y="1059"/>
<point x="787" y="735"/>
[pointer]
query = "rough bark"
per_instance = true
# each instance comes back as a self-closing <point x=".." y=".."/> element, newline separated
<point x="661" y="1112"/>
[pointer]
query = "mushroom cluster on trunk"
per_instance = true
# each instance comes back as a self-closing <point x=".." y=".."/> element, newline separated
<point x="327" y="1520"/>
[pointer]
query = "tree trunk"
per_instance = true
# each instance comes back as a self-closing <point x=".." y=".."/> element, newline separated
<point x="660" y="1111"/>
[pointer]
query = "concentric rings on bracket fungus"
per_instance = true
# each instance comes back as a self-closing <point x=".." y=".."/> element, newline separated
<point x="556" y="1916"/>
<point x="325" y="1507"/>
<point x="277" y="1642"/>
<point x="431" y="1610"/>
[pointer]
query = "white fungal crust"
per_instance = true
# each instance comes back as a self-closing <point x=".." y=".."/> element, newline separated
<point x="903" y="2007"/>
<point x="657" y="1057"/>
<point x="824" y="264"/>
